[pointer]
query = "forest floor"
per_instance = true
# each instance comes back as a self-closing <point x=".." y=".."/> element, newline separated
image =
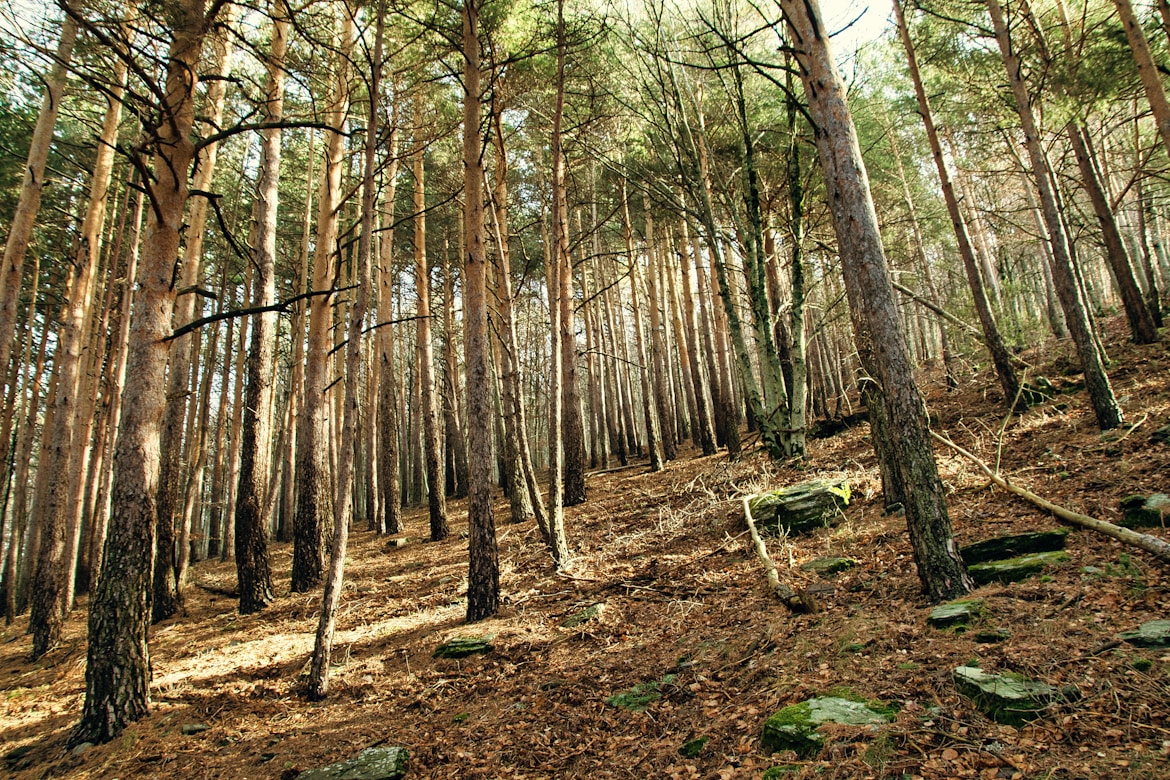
<point x="686" y="607"/>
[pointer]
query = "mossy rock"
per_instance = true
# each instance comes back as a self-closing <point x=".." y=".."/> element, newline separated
<point x="827" y="567"/>
<point x="641" y="696"/>
<point x="796" y="726"/>
<point x="1007" y="697"/>
<point x="1155" y="633"/>
<point x="1001" y="547"/>
<point x="800" y="508"/>
<point x="591" y="612"/>
<point x="1145" y="511"/>
<point x="464" y="647"/>
<point x="1015" y="569"/>
<point x="384" y="763"/>
<point x="955" y="613"/>
<point x="990" y="636"/>
<point x="694" y="748"/>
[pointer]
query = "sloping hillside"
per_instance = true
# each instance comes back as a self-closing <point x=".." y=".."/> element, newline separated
<point x="687" y="616"/>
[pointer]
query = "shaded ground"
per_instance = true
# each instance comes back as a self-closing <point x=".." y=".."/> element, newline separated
<point x="684" y="595"/>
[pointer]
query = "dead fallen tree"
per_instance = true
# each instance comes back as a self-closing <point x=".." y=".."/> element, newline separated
<point x="797" y="601"/>
<point x="1150" y="544"/>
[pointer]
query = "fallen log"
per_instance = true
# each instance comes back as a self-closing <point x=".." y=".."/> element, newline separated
<point x="799" y="602"/>
<point x="1150" y="544"/>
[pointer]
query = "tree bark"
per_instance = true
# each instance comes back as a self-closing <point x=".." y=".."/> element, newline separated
<point x="432" y="448"/>
<point x="253" y="510"/>
<point x="483" y="567"/>
<point x="992" y="339"/>
<point x="872" y="305"/>
<point x="1096" y="380"/>
<point x="315" y="498"/>
<point x="117" y="671"/>
<point x="318" y="684"/>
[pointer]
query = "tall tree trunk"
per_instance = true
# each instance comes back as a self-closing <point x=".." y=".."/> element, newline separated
<point x="1146" y="67"/>
<point x="992" y="339"/>
<point x="872" y="304"/>
<point x="452" y="402"/>
<point x="706" y="435"/>
<point x="572" y="429"/>
<point x="253" y="510"/>
<point x="117" y="673"/>
<point x="483" y="566"/>
<point x="657" y="353"/>
<point x="649" y="408"/>
<point x="167" y="599"/>
<point x="314" y="497"/>
<point x="389" y="479"/>
<point x="318" y="684"/>
<point x="432" y="448"/>
<point x="29" y="201"/>
<point x="1096" y="380"/>
<point x="60" y="535"/>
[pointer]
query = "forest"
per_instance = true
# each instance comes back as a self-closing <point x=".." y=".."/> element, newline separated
<point x="406" y="372"/>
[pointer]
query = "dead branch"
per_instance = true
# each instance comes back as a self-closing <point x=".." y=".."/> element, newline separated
<point x="1150" y="544"/>
<point x="797" y="602"/>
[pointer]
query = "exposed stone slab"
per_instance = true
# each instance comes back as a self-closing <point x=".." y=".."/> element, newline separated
<point x="580" y="617"/>
<point x="955" y="613"/>
<point x="1015" y="569"/>
<point x="1001" y="547"/>
<point x="383" y="763"/>
<point x="463" y="647"/>
<point x="1008" y="697"/>
<point x="1145" y="511"/>
<point x="827" y="567"/>
<point x="800" y="508"/>
<point x="796" y="726"/>
<point x="1155" y="633"/>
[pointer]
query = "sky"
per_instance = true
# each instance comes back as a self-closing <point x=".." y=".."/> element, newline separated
<point x="837" y="14"/>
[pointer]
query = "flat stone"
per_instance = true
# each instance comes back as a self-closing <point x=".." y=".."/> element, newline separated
<point x="463" y="647"/>
<point x="800" y="508"/>
<point x="1007" y="697"/>
<point x="989" y="636"/>
<point x="592" y="612"/>
<point x="371" y="764"/>
<point x="80" y="749"/>
<point x="641" y="696"/>
<point x="1145" y="511"/>
<point x="1001" y="547"/>
<point x="827" y="567"/>
<point x="1155" y="633"/>
<point x="955" y="613"/>
<point x="1015" y="569"/>
<point x="190" y="729"/>
<point x="795" y="726"/>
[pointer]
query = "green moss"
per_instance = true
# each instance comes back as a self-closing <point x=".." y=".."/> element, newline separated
<point x="641" y="696"/>
<point x="694" y="748"/>
<point x="778" y="772"/>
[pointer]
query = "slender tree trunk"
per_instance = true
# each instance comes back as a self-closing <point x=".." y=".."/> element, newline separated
<point x="60" y="535"/>
<point x="318" y="684"/>
<point x="1146" y="67"/>
<point x="117" y="671"/>
<point x="706" y="435"/>
<point x="992" y="339"/>
<point x="872" y="304"/>
<point x="572" y="429"/>
<point x="20" y="230"/>
<point x="432" y="448"/>
<point x="657" y="346"/>
<point x="253" y="516"/>
<point x="1096" y="380"/>
<point x="649" y="409"/>
<point x="452" y="402"/>
<point x="314" y="497"/>
<point x="389" y="479"/>
<point x="483" y="570"/>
